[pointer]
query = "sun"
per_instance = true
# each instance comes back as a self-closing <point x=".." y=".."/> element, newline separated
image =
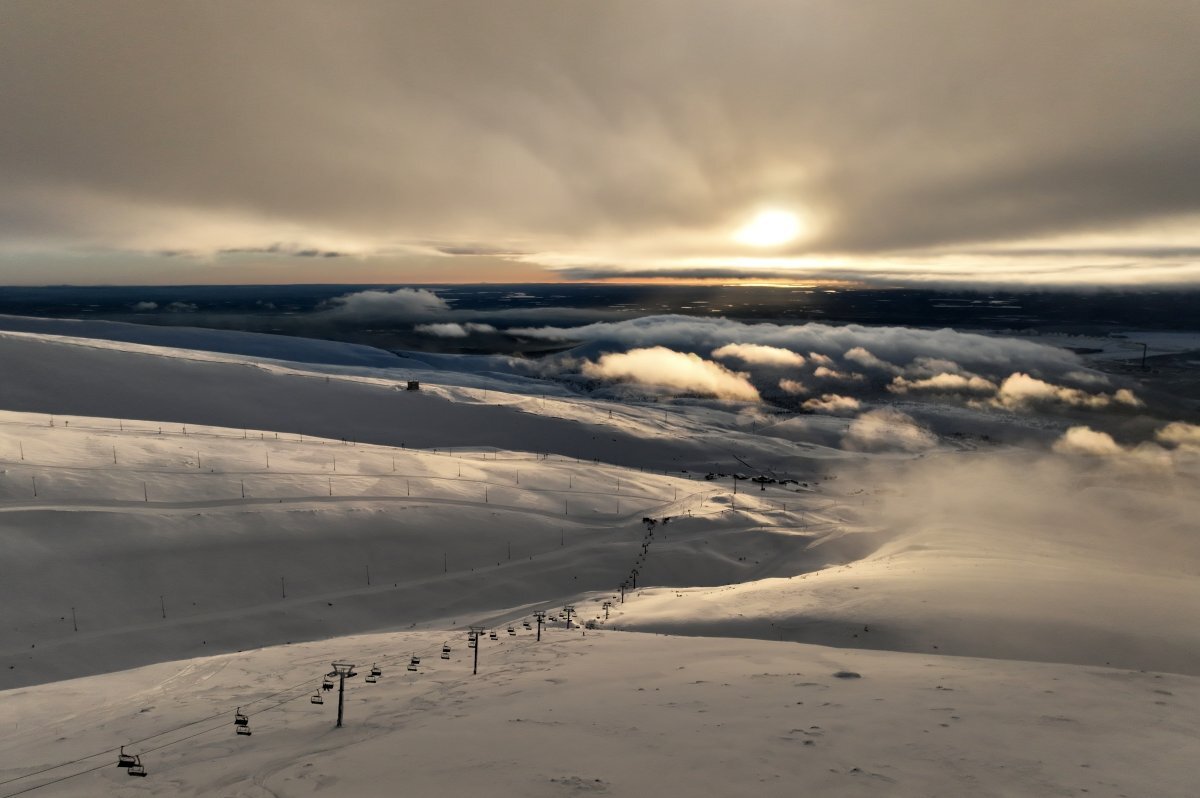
<point x="770" y="228"/>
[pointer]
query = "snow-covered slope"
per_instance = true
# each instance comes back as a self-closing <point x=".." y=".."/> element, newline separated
<point x="609" y="714"/>
<point x="230" y="342"/>
<point x="163" y="509"/>
<point x="106" y="379"/>
<point x="244" y="538"/>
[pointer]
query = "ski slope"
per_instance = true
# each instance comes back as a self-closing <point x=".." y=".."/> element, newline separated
<point x="183" y="532"/>
<point x="617" y="714"/>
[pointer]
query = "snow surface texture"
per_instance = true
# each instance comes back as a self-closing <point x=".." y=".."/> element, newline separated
<point x="613" y="714"/>
<point x="257" y="504"/>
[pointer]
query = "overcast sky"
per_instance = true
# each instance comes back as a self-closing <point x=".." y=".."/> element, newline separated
<point x="988" y="142"/>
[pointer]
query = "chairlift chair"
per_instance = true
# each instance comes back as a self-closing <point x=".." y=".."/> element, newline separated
<point x="527" y="626"/>
<point x="375" y="671"/>
<point x="492" y="635"/>
<point x="243" y="730"/>
<point x="371" y="679"/>
<point x="327" y="684"/>
<point x="445" y="651"/>
<point x="137" y="768"/>
<point x="239" y="719"/>
<point x="412" y="666"/>
<point x="471" y="643"/>
<point x="125" y="760"/>
<point x="512" y="631"/>
<point x="316" y="698"/>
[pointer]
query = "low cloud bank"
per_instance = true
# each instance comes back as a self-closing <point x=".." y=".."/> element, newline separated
<point x="686" y="372"/>
<point x="1020" y="390"/>
<point x="885" y="430"/>
<point x="866" y="363"/>
<point x="833" y="404"/>
<point x="1085" y="440"/>
<point x="1180" y="433"/>
<point x="374" y="305"/>
<point x="1174" y="444"/>
<point x="760" y="355"/>
<point x="944" y="383"/>
<point x="854" y="346"/>
<point x="453" y="329"/>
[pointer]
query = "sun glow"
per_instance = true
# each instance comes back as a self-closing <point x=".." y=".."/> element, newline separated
<point x="770" y="228"/>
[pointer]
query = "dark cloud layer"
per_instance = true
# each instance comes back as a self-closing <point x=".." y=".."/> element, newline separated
<point x="532" y="126"/>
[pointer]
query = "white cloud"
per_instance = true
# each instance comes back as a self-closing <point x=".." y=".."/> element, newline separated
<point x="144" y="306"/>
<point x="1020" y="391"/>
<point x="1082" y="440"/>
<point x="403" y="303"/>
<point x="793" y="387"/>
<point x="943" y="384"/>
<point x="931" y="366"/>
<point x="825" y="373"/>
<point x="1125" y="396"/>
<point x="990" y="356"/>
<point x="1085" y="440"/>
<point x="664" y="367"/>
<point x="1087" y="378"/>
<point x="1179" y="433"/>
<point x="760" y="355"/>
<point x="833" y="404"/>
<point x="453" y="330"/>
<point x="448" y="330"/>
<point x="862" y="356"/>
<point x="887" y="429"/>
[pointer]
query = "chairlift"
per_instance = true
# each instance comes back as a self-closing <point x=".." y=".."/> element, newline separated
<point x="412" y="666"/>
<point x="137" y="768"/>
<point x="371" y="679"/>
<point x="375" y="671"/>
<point x="239" y="719"/>
<point x="512" y="631"/>
<point x="493" y="635"/>
<point x="471" y="642"/>
<point x="125" y="760"/>
<point x="445" y="651"/>
<point x="243" y="730"/>
<point x="316" y="698"/>
<point x="527" y="626"/>
<point x="327" y="684"/>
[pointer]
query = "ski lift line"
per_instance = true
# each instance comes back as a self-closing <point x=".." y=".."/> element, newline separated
<point x="57" y="780"/>
<point x="223" y="714"/>
<point x="130" y="744"/>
